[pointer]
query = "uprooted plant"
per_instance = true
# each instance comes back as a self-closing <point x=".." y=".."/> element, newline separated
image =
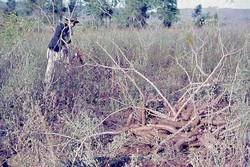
<point x="197" y="122"/>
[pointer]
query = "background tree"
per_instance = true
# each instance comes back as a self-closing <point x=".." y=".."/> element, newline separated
<point x="100" y="10"/>
<point x="11" y="6"/>
<point x="197" y="11"/>
<point x="199" y="17"/>
<point x="32" y="5"/>
<point x="72" y="5"/>
<point x="106" y="13"/>
<point x="167" y="11"/>
<point x="56" y="8"/>
<point x="216" y="17"/>
<point x="136" y="13"/>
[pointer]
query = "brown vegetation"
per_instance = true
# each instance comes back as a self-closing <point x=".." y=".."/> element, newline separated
<point x="165" y="97"/>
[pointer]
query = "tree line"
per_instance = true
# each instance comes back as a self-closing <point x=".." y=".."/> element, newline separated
<point x="126" y="13"/>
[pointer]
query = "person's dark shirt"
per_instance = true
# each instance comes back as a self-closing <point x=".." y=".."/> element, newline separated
<point x="62" y="30"/>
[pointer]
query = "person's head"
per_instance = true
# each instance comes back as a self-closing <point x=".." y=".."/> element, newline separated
<point x="72" y="21"/>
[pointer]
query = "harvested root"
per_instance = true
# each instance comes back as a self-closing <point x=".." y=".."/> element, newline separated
<point x="192" y="131"/>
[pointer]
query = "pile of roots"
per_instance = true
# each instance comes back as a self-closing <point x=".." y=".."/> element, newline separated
<point x="189" y="127"/>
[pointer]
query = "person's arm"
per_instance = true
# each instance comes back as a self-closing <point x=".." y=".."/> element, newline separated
<point x="58" y="30"/>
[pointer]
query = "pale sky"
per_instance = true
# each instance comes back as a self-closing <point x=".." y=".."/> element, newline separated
<point x="241" y="4"/>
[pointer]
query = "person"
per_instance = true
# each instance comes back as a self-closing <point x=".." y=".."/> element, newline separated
<point x="59" y="46"/>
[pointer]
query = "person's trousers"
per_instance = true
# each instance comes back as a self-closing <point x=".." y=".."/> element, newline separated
<point x="63" y="56"/>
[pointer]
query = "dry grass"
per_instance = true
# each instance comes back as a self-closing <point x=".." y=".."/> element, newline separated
<point x="109" y="110"/>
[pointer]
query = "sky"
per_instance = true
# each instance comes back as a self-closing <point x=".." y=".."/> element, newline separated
<point x="240" y="4"/>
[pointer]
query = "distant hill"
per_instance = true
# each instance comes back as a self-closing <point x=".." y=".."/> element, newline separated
<point x="226" y="15"/>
